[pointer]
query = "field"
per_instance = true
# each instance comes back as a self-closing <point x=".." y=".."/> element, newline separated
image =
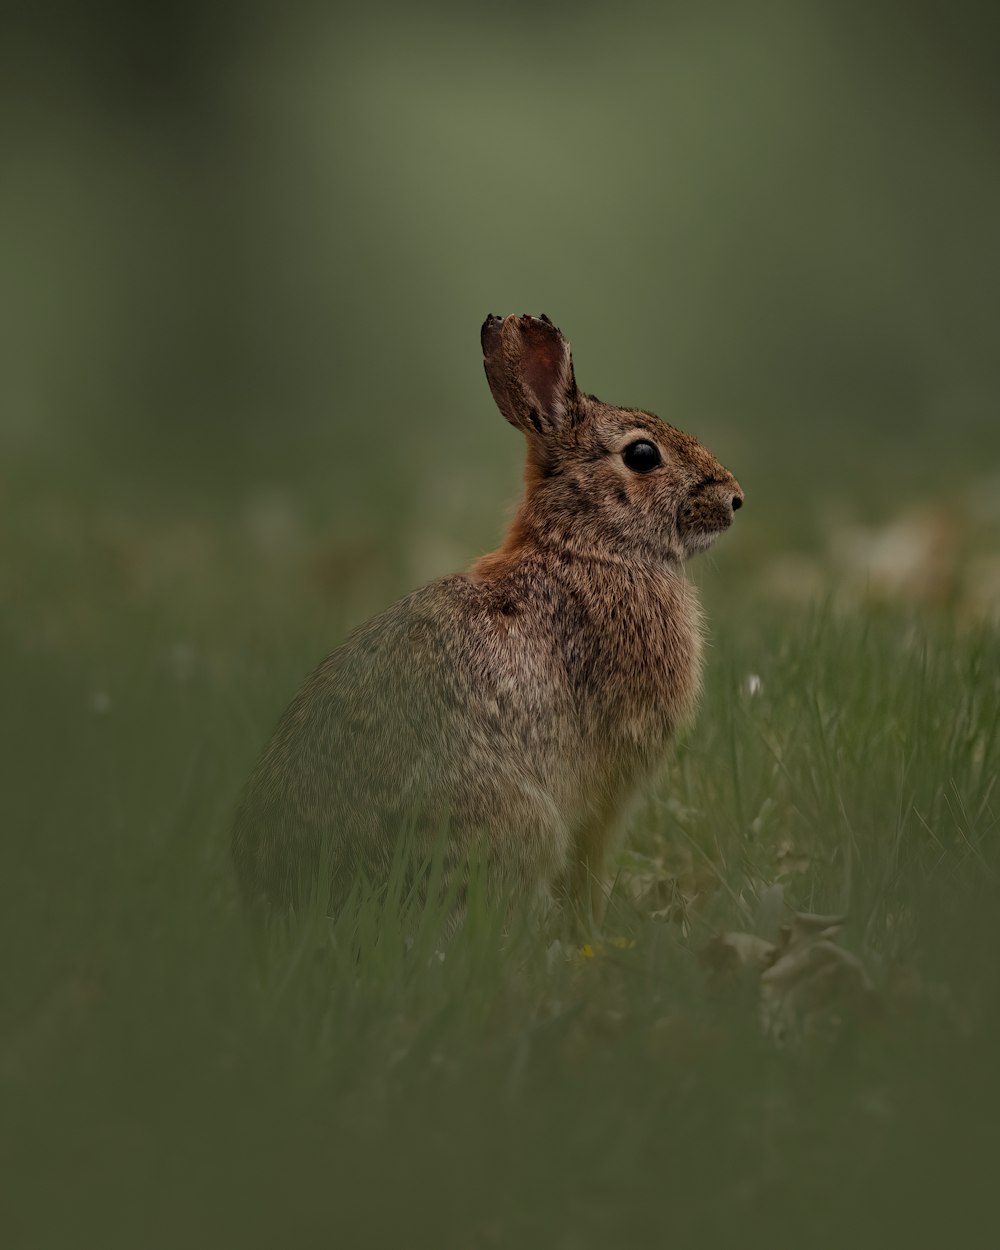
<point x="170" y="1076"/>
<point x="244" y="410"/>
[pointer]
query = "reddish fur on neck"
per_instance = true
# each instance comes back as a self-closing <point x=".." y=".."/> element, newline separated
<point x="519" y="536"/>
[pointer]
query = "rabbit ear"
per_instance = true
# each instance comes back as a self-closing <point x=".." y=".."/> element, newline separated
<point x="530" y="371"/>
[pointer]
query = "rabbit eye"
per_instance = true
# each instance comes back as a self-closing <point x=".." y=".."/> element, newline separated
<point x="640" y="457"/>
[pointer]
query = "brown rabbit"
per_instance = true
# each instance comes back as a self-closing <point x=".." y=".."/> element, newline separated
<point x="520" y="705"/>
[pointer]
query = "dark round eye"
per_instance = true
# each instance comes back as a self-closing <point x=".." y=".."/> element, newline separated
<point x="640" y="457"/>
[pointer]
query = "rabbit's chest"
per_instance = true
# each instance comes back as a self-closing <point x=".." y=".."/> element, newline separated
<point x="638" y="672"/>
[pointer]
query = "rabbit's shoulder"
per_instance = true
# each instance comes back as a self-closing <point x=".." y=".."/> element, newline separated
<point x="459" y="633"/>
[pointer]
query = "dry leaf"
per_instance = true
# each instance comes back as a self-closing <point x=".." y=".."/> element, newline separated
<point x="791" y="860"/>
<point x="812" y="976"/>
<point x="731" y="951"/>
<point x="805" y="924"/>
<point x="804" y="973"/>
<point x="670" y="885"/>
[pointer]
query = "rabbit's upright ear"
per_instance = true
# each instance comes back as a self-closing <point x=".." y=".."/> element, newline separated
<point x="530" y="371"/>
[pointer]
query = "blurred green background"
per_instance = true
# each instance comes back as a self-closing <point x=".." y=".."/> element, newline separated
<point x="249" y="246"/>
<point x="246" y="250"/>
<point x="246" y="253"/>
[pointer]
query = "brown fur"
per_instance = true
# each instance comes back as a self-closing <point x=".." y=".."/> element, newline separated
<point x="521" y="704"/>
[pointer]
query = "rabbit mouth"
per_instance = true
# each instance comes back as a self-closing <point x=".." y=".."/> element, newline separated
<point x="699" y="531"/>
<point x="701" y="539"/>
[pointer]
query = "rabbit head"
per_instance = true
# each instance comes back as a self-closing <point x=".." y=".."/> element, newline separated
<point x="601" y="481"/>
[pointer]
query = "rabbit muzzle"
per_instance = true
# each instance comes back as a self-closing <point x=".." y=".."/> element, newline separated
<point x="708" y="511"/>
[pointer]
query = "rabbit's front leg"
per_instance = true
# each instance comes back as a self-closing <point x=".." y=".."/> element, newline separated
<point x="587" y="885"/>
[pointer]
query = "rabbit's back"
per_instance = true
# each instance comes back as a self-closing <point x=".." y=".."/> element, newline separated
<point x="452" y="709"/>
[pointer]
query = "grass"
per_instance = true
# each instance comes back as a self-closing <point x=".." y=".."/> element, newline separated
<point x="170" y="1076"/>
<point x="244" y="409"/>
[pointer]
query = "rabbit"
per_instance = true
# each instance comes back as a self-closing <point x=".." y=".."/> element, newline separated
<point x="520" y="705"/>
